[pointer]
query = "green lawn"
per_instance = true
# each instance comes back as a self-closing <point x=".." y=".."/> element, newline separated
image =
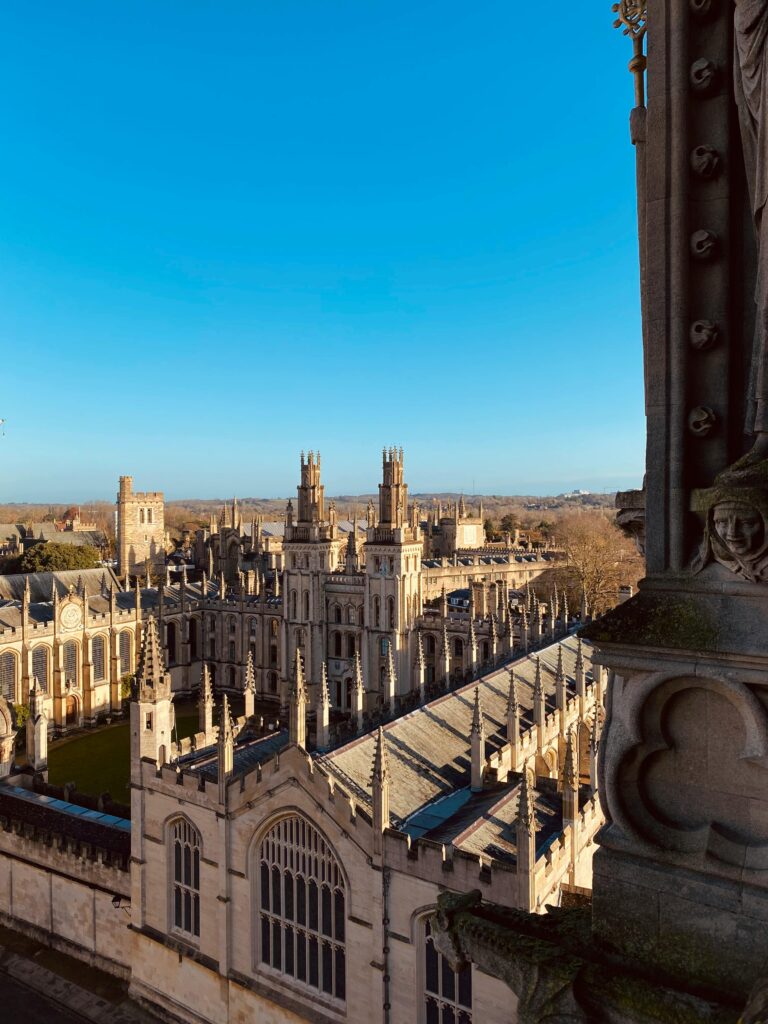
<point x="99" y="761"/>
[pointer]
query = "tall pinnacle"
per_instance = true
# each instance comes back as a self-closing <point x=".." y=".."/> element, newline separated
<point x="477" y="714"/>
<point x="526" y="814"/>
<point x="380" y="759"/>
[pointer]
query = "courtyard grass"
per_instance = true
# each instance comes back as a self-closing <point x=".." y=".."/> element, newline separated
<point x="99" y="761"/>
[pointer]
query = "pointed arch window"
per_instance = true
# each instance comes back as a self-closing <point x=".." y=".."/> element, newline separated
<point x="391" y="612"/>
<point x="185" y="873"/>
<point x="40" y="666"/>
<point x="8" y="676"/>
<point x="125" y="652"/>
<point x="447" y="994"/>
<point x="70" y="662"/>
<point x="302" y="907"/>
<point x="99" y="658"/>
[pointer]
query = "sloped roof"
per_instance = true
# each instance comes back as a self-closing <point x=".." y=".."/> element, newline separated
<point x="41" y="583"/>
<point x="430" y="750"/>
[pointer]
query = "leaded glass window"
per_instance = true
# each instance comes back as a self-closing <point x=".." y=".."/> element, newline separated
<point x="98" y="655"/>
<point x="125" y="652"/>
<point x="8" y="676"/>
<point x="302" y="907"/>
<point x="40" y="666"/>
<point x="70" y="662"/>
<point x="447" y="993"/>
<point x="185" y="867"/>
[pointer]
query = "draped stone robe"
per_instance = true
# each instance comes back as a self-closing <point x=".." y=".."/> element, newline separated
<point x="751" y="89"/>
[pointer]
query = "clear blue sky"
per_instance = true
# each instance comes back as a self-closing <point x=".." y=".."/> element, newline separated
<point x="238" y="228"/>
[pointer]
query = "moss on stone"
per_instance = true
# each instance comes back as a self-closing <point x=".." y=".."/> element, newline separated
<point x="657" y="620"/>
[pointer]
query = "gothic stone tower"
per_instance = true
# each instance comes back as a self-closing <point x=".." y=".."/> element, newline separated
<point x="311" y="549"/>
<point x="393" y="552"/>
<point x="140" y="528"/>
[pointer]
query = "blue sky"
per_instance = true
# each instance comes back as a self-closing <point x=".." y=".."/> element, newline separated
<point x="232" y="230"/>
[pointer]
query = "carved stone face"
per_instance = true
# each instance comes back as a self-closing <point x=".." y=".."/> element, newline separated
<point x="740" y="527"/>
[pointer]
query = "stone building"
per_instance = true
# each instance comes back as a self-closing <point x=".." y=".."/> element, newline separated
<point x="267" y="882"/>
<point x="141" y="536"/>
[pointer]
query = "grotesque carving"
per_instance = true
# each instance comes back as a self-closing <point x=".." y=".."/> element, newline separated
<point x="704" y="334"/>
<point x="704" y="244"/>
<point x="701" y="420"/>
<point x="705" y="162"/>
<point x="703" y="75"/>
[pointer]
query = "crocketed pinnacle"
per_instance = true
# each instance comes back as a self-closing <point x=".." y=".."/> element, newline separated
<point x="151" y="662"/>
<point x="570" y="771"/>
<point x="538" y="686"/>
<point x="380" y="772"/>
<point x="325" y="697"/>
<point x="526" y="814"/>
<point x="250" y="674"/>
<point x="358" y="673"/>
<point x="477" y="714"/>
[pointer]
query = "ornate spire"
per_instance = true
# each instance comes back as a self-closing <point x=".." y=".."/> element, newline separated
<point x="153" y="679"/>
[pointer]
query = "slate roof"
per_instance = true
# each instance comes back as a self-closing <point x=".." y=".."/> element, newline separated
<point x="41" y="583"/>
<point x="76" y="538"/>
<point x="429" y="749"/>
<point x="58" y="817"/>
<point x="247" y="755"/>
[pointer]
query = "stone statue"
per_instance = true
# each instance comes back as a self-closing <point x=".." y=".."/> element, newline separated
<point x="751" y="88"/>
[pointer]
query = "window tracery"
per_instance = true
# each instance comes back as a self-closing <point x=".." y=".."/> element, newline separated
<point x="302" y="907"/>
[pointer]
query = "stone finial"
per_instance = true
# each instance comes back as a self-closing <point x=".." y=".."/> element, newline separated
<point x="250" y="687"/>
<point x="477" y="714"/>
<point x="477" y="742"/>
<point x="513" y="711"/>
<point x="358" y="693"/>
<point x="390" y="676"/>
<point x="561" y="693"/>
<point x="297" y="725"/>
<point x="570" y="765"/>
<point x="526" y="807"/>
<point x="322" y="717"/>
<point x="226" y="747"/>
<point x="205" y="705"/>
<point x="380" y="772"/>
<point x="153" y="679"/>
<point x="539" y="700"/>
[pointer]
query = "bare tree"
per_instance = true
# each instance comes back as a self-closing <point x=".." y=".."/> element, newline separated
<point x="599" y="559"/>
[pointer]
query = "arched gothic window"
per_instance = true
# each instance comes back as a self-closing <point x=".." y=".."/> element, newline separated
<point x="185" y="869"/>
<point x="429" y="644"/>
<point x="337" y="645"/>
<point x="391" y="612"/>
<point x="125" y="652"/>
<point x="305" y="603"/>
<point x="351" y="645"/>
<point x="170" y="641"/>
<point x="336" y="613"/>
<point x="302" y="907"/>
<point x="8" y="676"/>
<point x="99" y="658"/>
<point x="458" y="647"/>
<point x="40" y="666"/>
<point x="193" y="638"/>
<point x="70" y="662"/>
<point x="293" y="604"/>
<point x="351" y="615"/>
<point x="447" y="994"/>
<point x="376" y="611"/>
